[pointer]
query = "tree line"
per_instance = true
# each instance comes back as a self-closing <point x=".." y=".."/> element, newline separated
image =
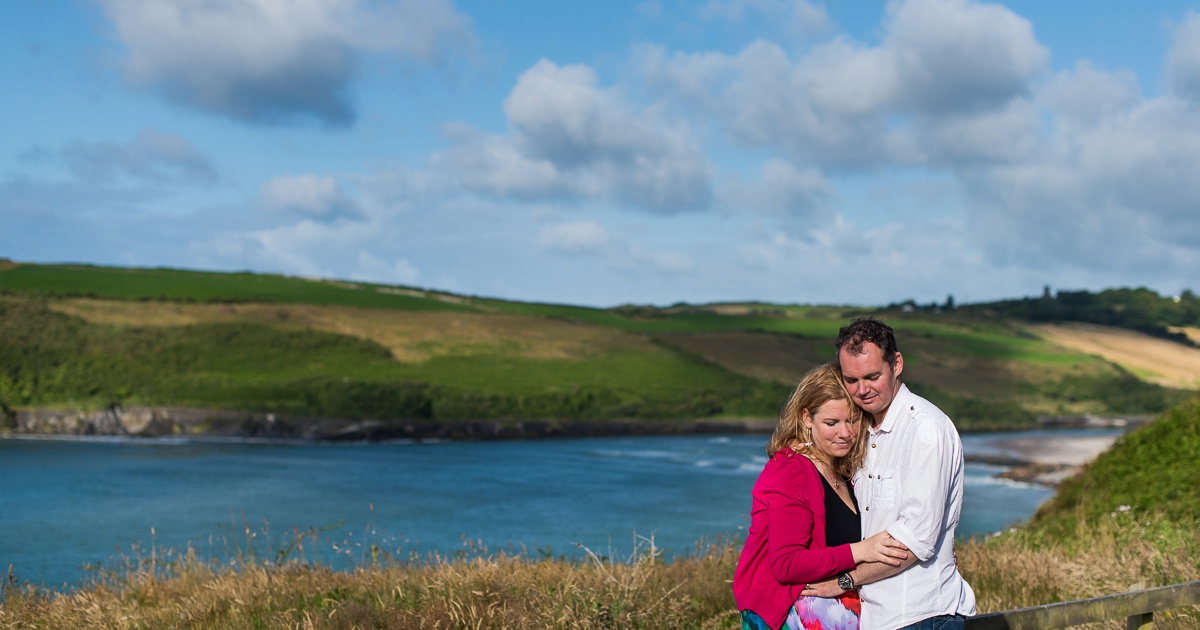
<point x="1139" y="309"/>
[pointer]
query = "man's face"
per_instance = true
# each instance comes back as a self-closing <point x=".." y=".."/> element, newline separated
<point x="872" y="383"/>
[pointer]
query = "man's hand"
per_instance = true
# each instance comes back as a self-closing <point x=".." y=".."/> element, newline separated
<point x="828" y="588"/>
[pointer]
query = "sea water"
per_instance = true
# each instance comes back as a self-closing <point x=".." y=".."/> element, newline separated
<point x="70" y="504"/>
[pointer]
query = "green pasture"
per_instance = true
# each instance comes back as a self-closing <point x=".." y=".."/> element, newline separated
<point x="203" y="286"/>
<point x="53" y="358"/>
<point x="984" y="340"/>
<point x="984" y="372"/>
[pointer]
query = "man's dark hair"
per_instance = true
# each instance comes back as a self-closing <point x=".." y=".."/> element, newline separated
<point x="867" y="329"/>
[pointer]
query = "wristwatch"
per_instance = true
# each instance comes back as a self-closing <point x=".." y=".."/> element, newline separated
<point x="846" y="581"/>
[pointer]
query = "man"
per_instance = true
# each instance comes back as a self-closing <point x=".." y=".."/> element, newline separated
<point x="911" y="484"/>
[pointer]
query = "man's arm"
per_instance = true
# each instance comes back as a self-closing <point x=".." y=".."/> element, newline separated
<point x="864" y="573"/>
<point x="868" y="572"/>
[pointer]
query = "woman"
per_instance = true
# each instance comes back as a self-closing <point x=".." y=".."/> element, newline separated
<point x="804" y="522"/>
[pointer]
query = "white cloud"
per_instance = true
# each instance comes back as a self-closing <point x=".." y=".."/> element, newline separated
<point x="153" y="157"/>
<point x="782" y="189"/>
<point x="843" y="104"/>
<point x="802" y="19"/>
<point x="660" y="260"/>
<point x="495" y="165"/>
<point x="954" y="55"/>
<point x="149" y="175"/>
<point x="1004" y="135"/>
<point x="313" y="196"/>
<point x="374" y="269"/>
<point x="1117" y="196"/>
<point x="573" y="138"/>
<point x="573" y="237"/>
<point x="1085" y="95"/>
<point x="273" y="61"/>
<point x="306" y="248"/>
<point x="1183" y="60"/>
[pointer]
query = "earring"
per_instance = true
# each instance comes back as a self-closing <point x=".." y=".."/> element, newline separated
<point x="808" y="443"/>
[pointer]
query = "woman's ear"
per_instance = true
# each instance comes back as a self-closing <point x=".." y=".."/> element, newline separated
<point x="806" y="418"/>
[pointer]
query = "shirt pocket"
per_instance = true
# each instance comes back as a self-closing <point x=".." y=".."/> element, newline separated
<point x="886" y="488"/>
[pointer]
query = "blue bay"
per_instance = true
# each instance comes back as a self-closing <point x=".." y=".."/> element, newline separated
<point x="67" y="503"/>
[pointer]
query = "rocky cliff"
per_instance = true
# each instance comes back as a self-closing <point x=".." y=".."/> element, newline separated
<point x="157" y="422"/>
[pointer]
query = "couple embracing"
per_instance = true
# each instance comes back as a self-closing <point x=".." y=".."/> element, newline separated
<point x="853" y="517"/>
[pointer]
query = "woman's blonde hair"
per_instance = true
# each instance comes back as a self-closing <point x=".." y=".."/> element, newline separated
<point x="821" y="385"/>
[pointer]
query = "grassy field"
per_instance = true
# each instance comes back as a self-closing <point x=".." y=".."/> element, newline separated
<point x="1136" y="529"/>
<point x="88" y="337"/>
<point x="1156" y="360"/>
<point x="198" y="286"/>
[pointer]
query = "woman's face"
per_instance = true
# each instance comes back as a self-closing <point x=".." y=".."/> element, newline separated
<point x="833" y="431"/>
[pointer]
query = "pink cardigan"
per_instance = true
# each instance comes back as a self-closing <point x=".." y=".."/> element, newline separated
<point x="785" y="547"/>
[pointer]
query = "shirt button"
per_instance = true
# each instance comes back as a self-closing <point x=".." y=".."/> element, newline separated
<point x="872" y="446"/>
<point x="868" y="508"/>
<point x="913" y="408"/>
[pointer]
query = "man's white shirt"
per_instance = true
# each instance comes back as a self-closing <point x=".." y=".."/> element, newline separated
<point x="911" y="484"/>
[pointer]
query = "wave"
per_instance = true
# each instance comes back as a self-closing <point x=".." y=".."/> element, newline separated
<point x="979" y="480"/>
<point x="640" y="454"/>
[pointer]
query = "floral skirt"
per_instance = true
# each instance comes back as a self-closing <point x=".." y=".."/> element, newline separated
<point x="814" y="613"/>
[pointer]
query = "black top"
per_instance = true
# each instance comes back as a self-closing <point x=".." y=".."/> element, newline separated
<point x="842" y="525"/>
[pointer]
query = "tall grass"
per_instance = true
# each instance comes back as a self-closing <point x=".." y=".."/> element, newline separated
<point x="474" y="589"/>
<point x="1121" y="551"/>
<point x="480" y="589"/>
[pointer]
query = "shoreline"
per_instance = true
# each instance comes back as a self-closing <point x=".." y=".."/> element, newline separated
<point x="185" y="422"/>
<point x="171" y="421"/>
<point x="1040" y="460"/>
<point x="1045" y="460"/>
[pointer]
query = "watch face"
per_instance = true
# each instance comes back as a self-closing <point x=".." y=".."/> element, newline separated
<point x="845" y="582"/>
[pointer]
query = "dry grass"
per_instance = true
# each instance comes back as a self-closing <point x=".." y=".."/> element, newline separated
<point x="1015" y="570"/>
<point x="412" y="336"/>
<point x="1166" y="363"/>
<point x="483" y="592"/>
<point x="1122" y="552"/>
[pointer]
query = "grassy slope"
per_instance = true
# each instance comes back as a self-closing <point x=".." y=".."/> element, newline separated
<point x="1152" y="470"/>
<point x="1129" y="520"/>
<point x="198" y="286"/>
<point x="161" y="336"/>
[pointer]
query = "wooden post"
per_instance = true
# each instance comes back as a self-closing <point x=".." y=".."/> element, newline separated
<point x="1144" y="621"/>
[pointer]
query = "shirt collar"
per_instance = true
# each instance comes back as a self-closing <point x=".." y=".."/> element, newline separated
<point x="899" y="402"/>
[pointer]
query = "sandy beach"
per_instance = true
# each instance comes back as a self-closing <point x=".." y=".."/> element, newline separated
<point x="1064" y="451"/>
<point x="1049" y="459"/>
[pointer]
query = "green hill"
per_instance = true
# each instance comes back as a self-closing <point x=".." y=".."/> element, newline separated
<point x="1150" y="471"/>
<point x="88" y="337"/>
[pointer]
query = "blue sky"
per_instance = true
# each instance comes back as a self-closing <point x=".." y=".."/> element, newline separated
<point x="607" y="153"/>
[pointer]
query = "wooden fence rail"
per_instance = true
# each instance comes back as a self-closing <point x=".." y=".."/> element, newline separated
<point x="1137" y="607"/>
